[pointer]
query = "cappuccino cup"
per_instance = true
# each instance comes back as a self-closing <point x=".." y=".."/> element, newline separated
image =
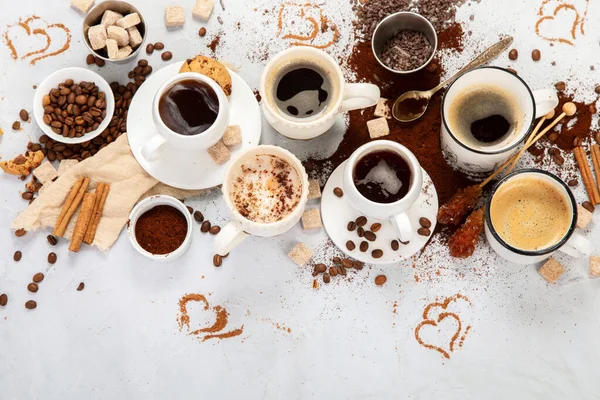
<point x="180" y="121"/>
<point x="530" y="215"/>
<point x="304" y="90"/>
<point x="266" y="190"/>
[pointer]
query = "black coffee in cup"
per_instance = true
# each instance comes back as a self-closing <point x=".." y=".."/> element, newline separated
<point x="189" y="107"/>
<point x="382" y="176"/>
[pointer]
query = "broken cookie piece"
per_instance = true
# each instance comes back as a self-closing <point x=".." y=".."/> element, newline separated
<point x="219" y="153"/>
<point x="378" y="128"/>
<point x="300" y="254"/>
<point x="551" y="270"/>
<point x="45" y="173"/>
<point x="311" y="219"/>
<point x="23" y="164"/>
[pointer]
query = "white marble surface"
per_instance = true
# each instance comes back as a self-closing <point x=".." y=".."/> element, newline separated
<point x="119" y="337"/>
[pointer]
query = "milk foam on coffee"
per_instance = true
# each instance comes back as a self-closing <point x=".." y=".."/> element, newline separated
<point x="266" y="188"/>
<point x="530" y="213"/>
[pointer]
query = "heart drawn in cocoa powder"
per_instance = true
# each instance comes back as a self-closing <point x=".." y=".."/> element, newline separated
<point x="550" y="24"/>
<point x="441" y="317"/>
<point x="309" y="19"/>
<point x="208" y="332"/>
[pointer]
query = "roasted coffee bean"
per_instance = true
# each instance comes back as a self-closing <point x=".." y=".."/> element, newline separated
<point x="326" y="278"/>
<point x="577" y="141"/>
<point x="513" y="54"/>
<point x="52" y="240"/>
<point x="536" y="55"/>
<point x="16" y="126"/>
<point x="338" y="192"/>
<point x="370" y="236"/>
<point x="364" y="246"/>
<point x="27" y="195"/>
<point x="202" y="32"/>
<point x="592" y="108"/>
<point x="3" y="299"/>
<point x="37" y="278"/>
<point x="395" y="245"/>
<point x="51" y="155"/>
<point x="347" y="263"/>
<point x="17" y="256"/>
<point x="99" y="61"/>
<point x="205" y="227"/>
<point x="424" y="231"/>
<point x="361" y="221"/>
<point x="588" y="206"/>
<point x="597" y="89"/>
<point x="214" y="229"/>
<point x="424" y="222"/>
<point x="573" y="182"/>
<point x="351" y="226"/>
<point x="159" y="46"/>
<point x="350" y="245"/>
<point x="512" y="71"/>
<point x="552" y="151"/>
<point x="198" y="216"/>
<point x="24" y="115"/>
<point x="81" y="99"/>
<point x="375" y="227"/>
<point x="360" y="232"/>
<point x="380" y="280"/>
<point x="32" y="287"/>
<point x="320" y="268"/>
<point x="336" y="260"/>
<point x="553" y="136"/>
<point x="89" y="60"/>
<point x="80" y="287"/>
<point x="560" y="86"/>
<point x="558" y="159"/>
<point x="20" y="232"/>
<point x="217" y="260"/>
<point x="30" y="304"/>
<point x="147" y="70"/>
<point x="166" y="56"/>
<point x="149" y="48"/>
<point x="52" y="258"/>
<point x="333" y="271"/>
<point x="142" y="63"/>
<point x="377" y="253"/>
<point x="190" y="209"/>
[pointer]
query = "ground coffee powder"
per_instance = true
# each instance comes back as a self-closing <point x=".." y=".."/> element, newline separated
<point x="161" y="230"/>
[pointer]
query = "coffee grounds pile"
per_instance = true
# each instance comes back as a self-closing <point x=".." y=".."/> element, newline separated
<point x="161" y="230"/>
<point x="406" y="50"/>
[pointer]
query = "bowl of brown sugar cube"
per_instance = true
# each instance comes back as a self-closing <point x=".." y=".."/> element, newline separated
<point x="114" y="31"/>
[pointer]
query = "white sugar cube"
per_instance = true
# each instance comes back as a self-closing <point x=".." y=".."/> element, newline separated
<point x="135" y="37"/>
<point x="124" y="52"/>
<point x="232" y="136"/>
<point x="97" y="37"/>
<point x="584" y="217"/>
<point x="378" y="128"/>
<point x="129" y="20"/>
<point x="112" y="48"/>
<point x="119" y="34"/>
<point x="174" y="16"/>
<point x="203" y="9"/>
<point x="83" y="6"/>
<point x="110" y="18"/>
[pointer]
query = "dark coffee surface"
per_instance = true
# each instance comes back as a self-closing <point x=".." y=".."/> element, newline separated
<point x="189" y="107"/>
<point x="490" y="129"/>
<point x="302" y="92"/>
<point x="382" y="176"/>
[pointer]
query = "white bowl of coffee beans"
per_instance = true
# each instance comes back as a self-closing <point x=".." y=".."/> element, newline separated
<point x="73" y="105"/>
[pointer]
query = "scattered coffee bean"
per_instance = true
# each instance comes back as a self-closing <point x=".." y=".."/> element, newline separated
<point x="143" y="63"/>
<point x="149" y="48"/>
<point x="588" y="206"/>
<point x="342" y="270"/>
<point x="99" y="61"/>
<point x="553" y="136"/>
<point x="370" y="236"/>
<point x="159" y="46"/>
<point x="17" y="256"/>
<point x="52" y="240"/>
<point x="597" y="89"/>
<point x="81" y="286"/>
<point x="351" y="226"/>
<point x="573" y="182"/>
<point x="513" y="54"/>
<point x="358" y="265"/>
<point x="166" y="56"/>
<point x="320" y="268"/>
<point x="395" y="245"/>
<point x="424" y="222"/>
<point x="190" y="209"/>
<point x="32" y="287"/>
<point x="20" y="232"/>
<point x="205" y="227"/>
<point x="217" y="260"/>
<point x="214" y="229"/>
<point x="27" y="195"/>
<point x="553" y="150"/>
<point x="364" y="246"/>
<point x="350" y="245"/>
<point x="560" y="86"/>
<point x="592" y="108"/>
<point x="16" y="126"/>
<point x="90" y="59"/>
<point x="361" y="221"/>
<point x="336" y="260"/>
<point x="37" y="278"/>
<point x="380" y="280"/>
<point x="536" y="55"/>
<point x="424" y="231"/>
<point x="512" y="71"/>
<point x="375" y="227"/>
<point x="558" y="159"/>
<point x="338" y="192"/>
<point x="202" y="32"/>
<point x="198" y="216"/>
<point x="347" y="263"/>
<point x="30" y="304"/>
<point x="360" y="232"/>
<point x="52" y="258"/>
<point x="326" y="278"/>
<point x="577" y="141"/>
<point x="24" y="115"/>
<point x="3" y="299"/>
<point x="377" y="253"/>
<point x="333" y="271"/>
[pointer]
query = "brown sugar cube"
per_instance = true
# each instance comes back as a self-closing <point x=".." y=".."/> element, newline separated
<point x="202" y="9"/>
<point x="112" y="48"/>
<point x="219" y="153"/>
<point x="83" y="6"/>
<point x="300" y="254"/>
<point x="595" y="266"/>
<point x="45" y="173"/>
<point x="110" y="18"/>
<point x="135" y="37"/>
<point x="65" y="165"/>
<point x="129" y="20"/>
<point x="551" y="270"/>
<point x="174" y="16"/>
<point x="124" y="52"/>
<point x="97" y="36"/>
<point x="314" y="189"/>
<point x="119" y="34"/>
<point x="232" y="135"/>
<point x="584" y="217"/>
<point x="311" y="219"/>
<point x="382" y="109"/>
<point x="378" y="128"/>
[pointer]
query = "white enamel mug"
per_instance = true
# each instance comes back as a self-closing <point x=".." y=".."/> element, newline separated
<point x="201" y="141"/>
<point x="241" y="227"/>
<point x="345" y="96"/>
<point x="395" y="212"/>
<point x="572" y="243"/>
<point x="479" y="162"/>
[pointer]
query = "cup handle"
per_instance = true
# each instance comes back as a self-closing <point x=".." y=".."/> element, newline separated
<point x="229" y="237"/>
<point x="545" y="101"/>
<point x="577" y="246"/>
<point x="150" y="149"/>
<point x="360" y="95"/>
<point x="404" y="227"/>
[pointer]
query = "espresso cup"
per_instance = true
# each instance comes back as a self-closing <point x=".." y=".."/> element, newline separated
<point x="530" y="215"/>
<point x="248" y="218"/>
<point x="311" y="117"/>
<point x="475" y="158"/>
<point x="201" y="141"/>
<point x="395" y="211"/>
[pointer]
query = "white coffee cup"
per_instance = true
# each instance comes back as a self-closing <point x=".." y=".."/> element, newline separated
<point x="346" y="96"/>
<point x="241" y="227"/>
<point x="201" y="141"/>
<point x="572" y="243"/>
<point x="395" y="212"/>
<point x="478" y="162"/>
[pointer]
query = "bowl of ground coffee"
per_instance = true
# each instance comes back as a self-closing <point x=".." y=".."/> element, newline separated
<point x="160" y="228"/>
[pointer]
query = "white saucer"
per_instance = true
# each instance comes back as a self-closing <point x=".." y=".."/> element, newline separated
<point x="336" y="212"/>
<point x="186" y="169"/>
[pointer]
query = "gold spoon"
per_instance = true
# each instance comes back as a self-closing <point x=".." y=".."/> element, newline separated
<point x="412" y="105"/>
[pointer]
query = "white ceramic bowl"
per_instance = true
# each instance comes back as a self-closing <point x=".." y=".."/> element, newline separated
<point x="147" y="204"/>
<point x="78" y="75"/>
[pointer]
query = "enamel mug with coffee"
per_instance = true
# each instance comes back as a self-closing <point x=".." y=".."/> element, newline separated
<point x="338" y="96"/>
<point x="478" y="160"/>
<point x="241" y="226"/>
<point x="202" y="141"/>
<point x="396" y="211"/>
<point x="571" y="243"/>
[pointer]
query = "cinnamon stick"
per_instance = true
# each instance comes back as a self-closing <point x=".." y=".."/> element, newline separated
<point x="70" y="206"/>
<point x="85" y="216"/>
<point x="596" y="162"/>
<point x="69" y="200"/>
<point x="101" y="195"/>
<point x="586" y="174"/>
